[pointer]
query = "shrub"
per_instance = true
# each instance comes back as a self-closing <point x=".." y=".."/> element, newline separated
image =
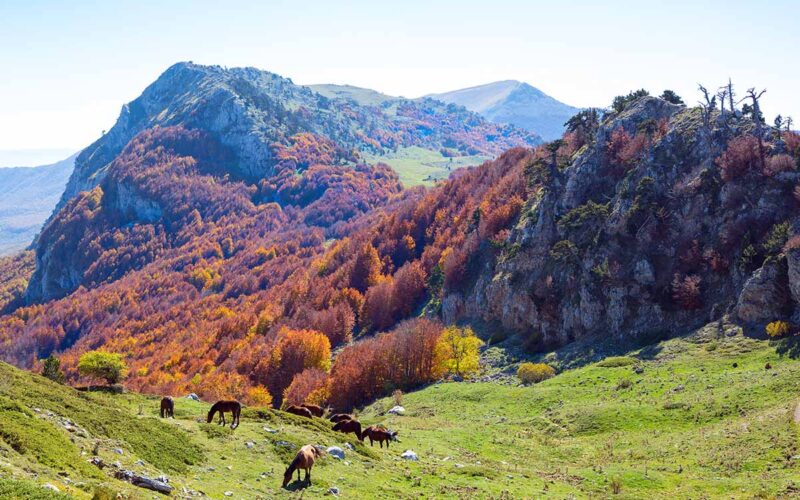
<point x="103" y="365"/>
<point x="777" y="329"/>
<point x="741" y="156"/>
<point x="671" y="97"/>
<point x="52" y="369"/>
<point x="686" y="291"/>
<point x="622" y="101"/>
<point x="617" y="361"/>
<point x="777" y="164"/>
<point x="397" y="396"/>
<point x="532" y="373"/>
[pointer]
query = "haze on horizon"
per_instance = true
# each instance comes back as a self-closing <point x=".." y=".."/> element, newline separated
<point x="70" y="67"/>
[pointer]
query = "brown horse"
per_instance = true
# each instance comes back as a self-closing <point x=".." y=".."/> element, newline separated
<point x="314" y="409"/>
<point x="234" y="407"/>
<point x="348" y="426"/>
<point x="167" y="407"/>
<point x="340" y="416"/>
<point x="299" y="410"/>
<point x="303" y="460"/>
<point x="380" y="434"/>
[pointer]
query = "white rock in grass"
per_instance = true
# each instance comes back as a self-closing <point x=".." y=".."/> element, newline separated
<point x="397" y="410"/>
<point x="336" y="452"/>
<point x="49" y="486"/>
<point x="409" y="455"/>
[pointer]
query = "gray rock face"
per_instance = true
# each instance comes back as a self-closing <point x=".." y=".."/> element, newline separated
<point x="765" y="294"/>
<point x="660" y="243"/>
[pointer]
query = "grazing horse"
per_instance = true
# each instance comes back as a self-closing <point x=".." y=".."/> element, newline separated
<point x="314" y="409"/>
<point x="303" y="460"/>
<point x="234" y="407"/>
<point x="348" y="426"/>
<point x="299" y="410"/>
<point x="379" y="434"/>
<point x="167" y="407"/>
<point x="340" y="416"/>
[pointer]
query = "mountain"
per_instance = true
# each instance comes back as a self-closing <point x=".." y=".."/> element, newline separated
<point x="238" y="238"/>
<point x="28" y="196"/>
<point x="252" y="112"/>
<point x="516" y="103"/>
<point x="32" y="157"/>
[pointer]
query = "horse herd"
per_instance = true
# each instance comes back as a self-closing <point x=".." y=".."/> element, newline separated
<point x="304" y="460"/>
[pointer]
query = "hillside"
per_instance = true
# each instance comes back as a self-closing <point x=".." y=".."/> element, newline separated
<point x="201" y="285"/>
<point x="28" y="196"/>
<point x="697" y="416"/>
<point x="516" y="103"/>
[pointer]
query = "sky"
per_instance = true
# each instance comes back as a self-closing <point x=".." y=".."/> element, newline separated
<point x="67" y="67"/>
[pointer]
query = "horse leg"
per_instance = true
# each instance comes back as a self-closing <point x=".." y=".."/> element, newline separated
<point x="222" y="416"/>
<point x="308" y="475"/>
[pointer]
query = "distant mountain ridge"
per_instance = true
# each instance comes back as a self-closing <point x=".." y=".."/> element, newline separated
<point x="27" y="197"/>
<point x="252" y="112"/>
<point x="514" y="102"/>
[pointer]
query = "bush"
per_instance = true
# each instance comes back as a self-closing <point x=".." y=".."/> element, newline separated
<point x="741" y="157"/>
<point x="777" y="164"/>
<point x="617" y="361"/>
<point x="532" y="373"/>
<point x="52" y="369"/>
<point x="777" y="329"/>
<point x="104" y="365"/>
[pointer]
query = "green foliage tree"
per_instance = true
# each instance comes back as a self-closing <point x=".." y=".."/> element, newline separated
<point x="622" y="101"/>
<point x="52" y="369"/>
<point x="458" y="350"/>
<point x="103" y="365"/>
<point x="672" y="97"/>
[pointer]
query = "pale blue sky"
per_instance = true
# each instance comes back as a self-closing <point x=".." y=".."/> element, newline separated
<point x="67" y="67"/>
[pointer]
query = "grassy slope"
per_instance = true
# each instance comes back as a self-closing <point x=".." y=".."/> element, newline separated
<point x="689" y="425"/>
<point x="419" y="166"/>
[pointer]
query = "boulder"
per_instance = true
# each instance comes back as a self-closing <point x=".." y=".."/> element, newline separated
<point x="193" y="397"/>
<point x="336" y="452"/>
<point x="409" y="455"/>
<point x="397" y="410"/>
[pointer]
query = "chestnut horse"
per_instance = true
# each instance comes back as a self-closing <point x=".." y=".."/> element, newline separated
<point x="234" y="407"/>
<point x="314" y="409"/>
<point x="299" y="410"/>
<point x="348" y="426"/>
<point x="303" y="460"/>
<point x="340" y="416"/>
<point x="167" y="407"/>
<point x="380" y="434"/>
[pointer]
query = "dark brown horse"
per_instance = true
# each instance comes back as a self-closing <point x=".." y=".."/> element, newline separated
<point x="233" y="407"/>
<point x="340" y="416"/>
<point x="314" y="409"/>
<point x="380" y="434"/>
<point x="303" y="460"/>
<point x="299" y="410"/>
<point x="348" y="426"/>
<point x="167" y="407"/>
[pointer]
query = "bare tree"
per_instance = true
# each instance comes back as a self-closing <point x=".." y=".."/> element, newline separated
<point x="789" y="123"/>
<point x="730" y="95"/>
<point x="758" y="119"/>
<point x="722" y="93"/>
<point x="707" y="107"/>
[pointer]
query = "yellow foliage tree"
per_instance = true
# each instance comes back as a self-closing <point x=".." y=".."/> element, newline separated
<point x="259" y="396"/>
<point x="458" y="350"/>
